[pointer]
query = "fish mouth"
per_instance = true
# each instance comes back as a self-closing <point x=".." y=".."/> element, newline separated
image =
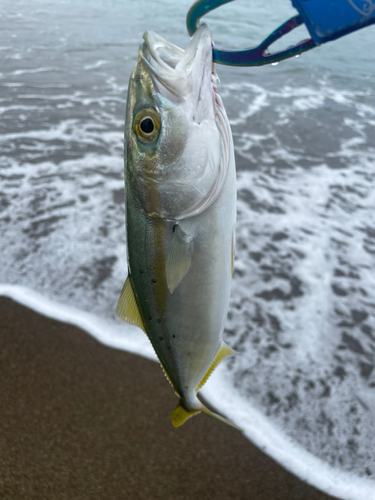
<point x="176" y="73"/>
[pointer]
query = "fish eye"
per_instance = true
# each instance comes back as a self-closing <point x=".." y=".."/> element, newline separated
<point x="147" y="125"/>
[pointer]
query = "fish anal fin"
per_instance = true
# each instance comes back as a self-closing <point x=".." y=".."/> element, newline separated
<point x="127" y="307"/>
<point x="180" y="415"/>
<point x="179" y="257"/>
<point x="222" y="353"/>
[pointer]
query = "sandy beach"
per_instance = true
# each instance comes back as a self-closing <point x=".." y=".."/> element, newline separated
<point x="82" y="421"/>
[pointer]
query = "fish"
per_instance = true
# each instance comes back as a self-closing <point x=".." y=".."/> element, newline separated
<point x="180" y="191"/>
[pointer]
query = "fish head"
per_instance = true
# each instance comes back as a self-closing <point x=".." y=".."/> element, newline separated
<point x="177" y="134"/>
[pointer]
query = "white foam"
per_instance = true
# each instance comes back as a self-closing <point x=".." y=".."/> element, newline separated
<point x="12" y="84"/>
<point x="33" y="70"/>
<point x="116" y="334"/>
<point x="98" y="64"/>
<point x="258" y="429"/>
<point x="66" y="130"/>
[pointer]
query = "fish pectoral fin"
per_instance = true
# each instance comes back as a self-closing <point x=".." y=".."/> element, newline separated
<point x="127" y="307"/>
<point x="224" y="351"/>
<point x="179" y="258"/>
<point x="180" y="415"/>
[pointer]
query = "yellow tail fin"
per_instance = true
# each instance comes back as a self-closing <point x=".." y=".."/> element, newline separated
<point x="180" y="415"/>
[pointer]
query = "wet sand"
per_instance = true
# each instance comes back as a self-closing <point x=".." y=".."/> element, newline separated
<point x="79" y="420"/>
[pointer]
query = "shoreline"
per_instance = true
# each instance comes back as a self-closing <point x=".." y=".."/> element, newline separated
<point x="82" y="420"/>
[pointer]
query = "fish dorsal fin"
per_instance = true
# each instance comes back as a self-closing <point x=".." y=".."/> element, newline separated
<point x="127" y="307"/>
<point x="222" y="353"/>
<point x="179" y="258"/>
<point x="180" y="415"/>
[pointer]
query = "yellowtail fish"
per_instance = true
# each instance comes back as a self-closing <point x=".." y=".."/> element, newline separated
<point x="180" y="212"/>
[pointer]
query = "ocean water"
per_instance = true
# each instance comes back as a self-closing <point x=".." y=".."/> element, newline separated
<point x="302" y="314"/>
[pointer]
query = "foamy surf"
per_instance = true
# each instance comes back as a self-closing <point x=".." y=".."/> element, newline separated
<point x="112" y="334"/>
<point x="259" y="430"/>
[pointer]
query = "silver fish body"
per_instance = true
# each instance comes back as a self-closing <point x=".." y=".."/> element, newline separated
<point x="180" y="212"/>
